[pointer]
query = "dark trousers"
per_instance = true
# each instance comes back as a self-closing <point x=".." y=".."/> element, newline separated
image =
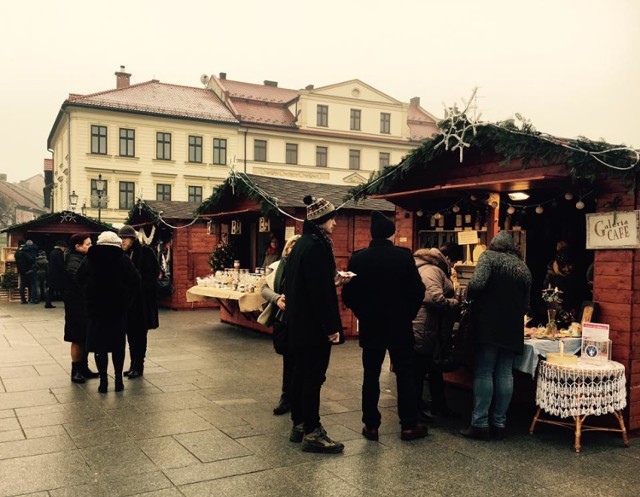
<point x="25" y="282"/>
<point x="137" y="344"/>
<point x="102" y="360"/>
<point x="423" y="365"/>
<point x="402" y="360"/>
<point x="34" y="288"/>
<point x="288" y="364"/>
<point x="310" y="368"/>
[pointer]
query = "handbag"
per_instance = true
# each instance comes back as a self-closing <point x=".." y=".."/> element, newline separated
<point x="463" y="337"/>
<point x="164" y="288"/>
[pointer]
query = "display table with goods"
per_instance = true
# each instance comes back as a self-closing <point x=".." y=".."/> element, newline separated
<point x="238" y="293"/>
<point x="588" y="387"/>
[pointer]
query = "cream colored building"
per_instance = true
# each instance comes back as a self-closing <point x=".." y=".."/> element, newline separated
<point x="158" y="141"/>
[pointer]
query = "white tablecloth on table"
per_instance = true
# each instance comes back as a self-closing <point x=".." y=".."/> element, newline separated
<point x="247" y="301"/>
<point x="589" y="387"/>
<point x="528" y="361"/>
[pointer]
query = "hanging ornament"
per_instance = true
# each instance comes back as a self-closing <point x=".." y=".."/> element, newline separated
<point x="568" y="196"/>
<point x="419" y="213"/>
<point x="579" y="205"/>
<point x="68" y="216"/>
<point x="455" y="209"/>
<point x="511" y="209"/>
<point x="539" y="209"/>
<point x="472" y="198"/>
<point x="437" y="215"/>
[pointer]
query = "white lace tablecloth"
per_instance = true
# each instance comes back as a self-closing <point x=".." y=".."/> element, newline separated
<point x="534" y="347"/>
<point x="586" y="388"/>
<point x="247" y="301"/>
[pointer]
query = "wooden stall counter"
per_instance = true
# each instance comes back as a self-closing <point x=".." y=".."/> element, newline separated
<point x="237" y="308"/>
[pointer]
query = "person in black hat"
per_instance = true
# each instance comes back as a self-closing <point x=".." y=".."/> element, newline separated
<point x="314" y="322"/>
<point x="143" y="314"/>
<point x="385" y="295"/>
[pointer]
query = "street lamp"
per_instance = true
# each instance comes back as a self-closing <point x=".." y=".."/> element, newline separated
<point x="73" y="200"/>
<point x="83" y="209"/>
<point x="100" y="186"/>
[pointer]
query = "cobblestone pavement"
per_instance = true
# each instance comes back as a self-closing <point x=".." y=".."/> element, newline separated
<point x="200" y="424"/>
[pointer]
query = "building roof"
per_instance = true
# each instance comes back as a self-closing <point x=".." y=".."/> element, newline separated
<point x="22" y="197"/>
<point x="173" y="209"/>
<point x="259" y="112"/>
<point x="260" y="93"/>
<point x="160" y="98"/>
<point x="61" y="222"/>
<point x="286" y="193"/>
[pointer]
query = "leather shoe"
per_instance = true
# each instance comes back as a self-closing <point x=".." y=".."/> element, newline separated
<point x="370" y="433"/>
<point x="134" y="373"/>
<point x="49" y="306"/>
<point x="476" y="432"/>
<point x="499" y="432"/>
<point x="283" y="407"/>
<point x="418" y="431"/>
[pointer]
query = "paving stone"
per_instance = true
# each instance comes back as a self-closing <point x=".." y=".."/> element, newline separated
<point x="217" y="469"/>
<point x="166" y="452"/>
<point x="212" y="445"/>
<point x="117" y="460"/>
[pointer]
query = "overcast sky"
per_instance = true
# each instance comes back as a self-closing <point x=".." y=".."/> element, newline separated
<point x="570" y="66"/>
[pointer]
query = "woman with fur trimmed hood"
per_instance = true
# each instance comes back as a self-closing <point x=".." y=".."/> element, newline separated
<point x="433" y="325"/>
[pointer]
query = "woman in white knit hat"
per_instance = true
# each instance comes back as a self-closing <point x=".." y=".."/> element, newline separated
<point x="109" y="281"/>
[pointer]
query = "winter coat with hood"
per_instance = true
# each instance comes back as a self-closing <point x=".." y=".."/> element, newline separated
<point x="500" y="289"/>
<point x="312" y="302"/>
<point x="56" y="275"/>
<point x="384" y="295"/>
<point x="439" y="309"/>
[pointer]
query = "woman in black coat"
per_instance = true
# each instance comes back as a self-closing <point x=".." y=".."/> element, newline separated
<point x="499" y="289"/>
<point x="75" y="315"/>
<point x="109" y="281"/>
<point x="143" y="315"/>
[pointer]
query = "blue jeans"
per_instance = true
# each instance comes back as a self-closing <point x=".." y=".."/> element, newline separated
<point x="492" y="363"/>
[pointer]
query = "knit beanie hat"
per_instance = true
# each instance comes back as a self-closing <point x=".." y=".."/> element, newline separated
<point x="127" y="232"/>
<point x="109" y="238"/>
<point x="381" y="225"/>
<point x="319" y="210"/>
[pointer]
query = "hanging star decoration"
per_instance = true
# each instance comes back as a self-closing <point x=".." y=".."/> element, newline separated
<point x="457" y="123"/>
<point x="67" y="217"/>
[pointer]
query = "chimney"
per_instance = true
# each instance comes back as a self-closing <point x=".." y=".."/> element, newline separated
<point x="3" y="177"/>
<point x="415" y="101"/>
<point x="308" y="87"/>
<point x="270" y="83"/>
<point x="123" y="79"/>
<point x="223" y="75"/>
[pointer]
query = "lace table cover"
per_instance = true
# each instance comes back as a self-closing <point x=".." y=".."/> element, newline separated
<point x="584" y="388"/>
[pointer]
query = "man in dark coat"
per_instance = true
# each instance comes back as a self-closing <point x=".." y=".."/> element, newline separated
<point x="499" y="289"/>
<point x="385" y="295"/>
<point x="24" y="263"/>
<point x="56" y="275"/>
<point x="314" y="321"/>
<point x="31" y="252"/>
<point x="143" y="314"/>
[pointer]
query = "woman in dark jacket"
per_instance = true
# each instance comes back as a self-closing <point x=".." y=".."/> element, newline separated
<point x="433" y="325"/>
<point x="275" y="296"/>
<point x="75" y="316"/>
<point x="499" y="289"/>
<point x="109" y="281"/>
<point x="143" y="315"/>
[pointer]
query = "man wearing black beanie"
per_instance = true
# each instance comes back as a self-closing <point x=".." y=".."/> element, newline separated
<point x="385" y="296"/>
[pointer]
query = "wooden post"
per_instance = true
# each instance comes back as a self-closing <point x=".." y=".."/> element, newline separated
<point x="493" y="225"/>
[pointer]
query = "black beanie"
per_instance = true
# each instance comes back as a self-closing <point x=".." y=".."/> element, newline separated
<point x="381" y="225"/>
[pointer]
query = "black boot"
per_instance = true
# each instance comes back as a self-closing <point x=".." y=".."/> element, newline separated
<point x="283" y="406"/>
<point x="119" y="384"/>
<point x="104" y="383"/>
<point x="87" y="373"/>
<point x="76" y="373"/>
<point x="137" y="369"/>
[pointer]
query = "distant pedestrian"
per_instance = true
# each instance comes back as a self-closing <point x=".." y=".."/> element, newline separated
<point x="31" y="250"/>
<point x="143" y="314"/>
<point x="41" y="267"/>
<point x="24" y="263"/>
<point x="499" y="290"/>
<point x="385" y="295"/>
<point x="109" y="281"/>
<point x="56" y="275"/>
<point x="314" y="321"/>
<point x="75" y="313"/>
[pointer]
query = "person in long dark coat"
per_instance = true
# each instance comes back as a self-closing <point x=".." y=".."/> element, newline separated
<point x="56" y="275"/>
<point x="143" y="315"/>
<point x="499" y="289"/>
<point x="24" y="263"/>
<point x="109" y="282"/>
<point x="75" y="314"/>
<point x="385" y="295"/>
<point x="314" y="321"/>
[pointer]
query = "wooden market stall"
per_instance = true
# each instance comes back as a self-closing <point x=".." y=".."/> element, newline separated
<point x="439" y="192"/>
<point x="44" y="232"/>
<point x="246" y="211"/>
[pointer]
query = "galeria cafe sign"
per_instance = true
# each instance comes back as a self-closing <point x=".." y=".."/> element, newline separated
<point x="613" y="230"/>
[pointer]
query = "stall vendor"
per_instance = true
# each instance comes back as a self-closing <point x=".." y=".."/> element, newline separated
<point x="562" y="274"/>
